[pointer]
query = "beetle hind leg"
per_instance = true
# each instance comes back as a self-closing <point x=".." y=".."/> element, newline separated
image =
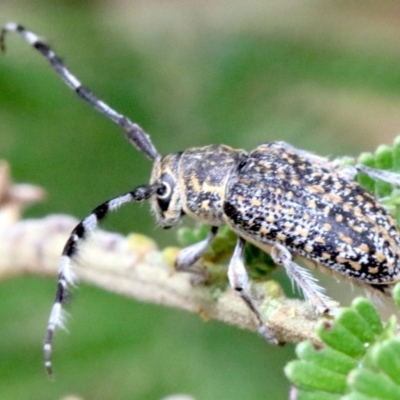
<point x="302" y="278"/>
<point x="387" y="176"/>
<point x="349" y="172"/>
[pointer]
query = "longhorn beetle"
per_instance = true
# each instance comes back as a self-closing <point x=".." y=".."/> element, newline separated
<point x="286" y="201"/>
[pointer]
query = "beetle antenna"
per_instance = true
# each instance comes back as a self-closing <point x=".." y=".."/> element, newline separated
<point x="65" y="273"/>
<point x="135" y="134"/>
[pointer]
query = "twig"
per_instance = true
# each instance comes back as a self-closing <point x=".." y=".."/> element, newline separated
<point x="14" y="198"/>
<point x="133" y="266"/>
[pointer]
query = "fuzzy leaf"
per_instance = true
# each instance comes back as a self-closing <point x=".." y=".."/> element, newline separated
<point x="306" y="395"/>
<point x="356" y="324"/>
<point x="308" y="375"/>
<point x="373" y="384"/>
<point x="358" y="349"/>
<point x="396" y="154"/>
<point x="383" y="160"/>
<point x="338" y="337"/>
<point x="387" y="357"/>
<point x="396" y="295"/>
<point x="363" y="179"/>
<point x="326" y="357"/>
<point x="368" y="312"/>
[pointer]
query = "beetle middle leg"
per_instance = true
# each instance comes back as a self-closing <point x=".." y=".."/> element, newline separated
<point x="302" y="278"/>
<point x="239" y="280"/>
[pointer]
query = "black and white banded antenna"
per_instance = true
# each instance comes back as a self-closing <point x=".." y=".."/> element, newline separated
<point x="66" y="276"/>
<point x="135" y="134"/>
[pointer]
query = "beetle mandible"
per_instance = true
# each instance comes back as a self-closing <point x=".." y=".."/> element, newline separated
<point x="285" y="201"/>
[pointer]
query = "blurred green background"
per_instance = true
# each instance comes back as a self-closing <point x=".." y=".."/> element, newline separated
<point x="324" y="76"/>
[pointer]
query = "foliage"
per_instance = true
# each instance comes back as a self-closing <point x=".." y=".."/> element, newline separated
<point x="358" y="360"/>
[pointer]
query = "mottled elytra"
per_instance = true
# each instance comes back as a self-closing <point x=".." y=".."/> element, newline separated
<point x="286" y="201"/>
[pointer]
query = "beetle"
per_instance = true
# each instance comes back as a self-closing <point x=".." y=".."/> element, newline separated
<point x="286" y="201"/>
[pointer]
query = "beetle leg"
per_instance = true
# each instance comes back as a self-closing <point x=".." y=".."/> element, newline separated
<point x="189" y="255"/>
<point x="239" y="280"/>
<point x="302" y="278"/>
<point x="349" y="172"/>
<point x="386" y="176"/>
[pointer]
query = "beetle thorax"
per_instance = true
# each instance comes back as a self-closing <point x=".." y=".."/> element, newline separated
<point x="203" y="175"/>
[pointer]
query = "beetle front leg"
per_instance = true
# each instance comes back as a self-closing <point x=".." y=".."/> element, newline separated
<point x="302" y="278"/>
<point x="239" y="280"/>
<point x="189" y="255"/>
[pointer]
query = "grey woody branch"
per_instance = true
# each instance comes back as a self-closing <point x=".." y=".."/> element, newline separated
<point x="134" y="267"/>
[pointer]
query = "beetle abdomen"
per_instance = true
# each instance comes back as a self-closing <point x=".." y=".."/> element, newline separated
<point x="281" y="197"/>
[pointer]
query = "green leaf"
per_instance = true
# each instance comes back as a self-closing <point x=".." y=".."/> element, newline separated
<point x="396" y="295"/>
<point x="357" y="396"/>
<point x="383" y="160"/>
<point x="316" y="395"/>
<point x="396" y="154"/>
<point x="340" y="338"/>
<point x="368" y="312"/>
<point x="374" y="384"/>
<point x="326" y="357"/>
<point x="363" y="179"/>
<point x="387" y="357"/>
<point x="358" y="350"/>
<point x="356" y="324"/>
<point x="308" y="375"/>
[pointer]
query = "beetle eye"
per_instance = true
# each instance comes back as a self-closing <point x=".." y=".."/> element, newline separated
<point x="164" y="192"/>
